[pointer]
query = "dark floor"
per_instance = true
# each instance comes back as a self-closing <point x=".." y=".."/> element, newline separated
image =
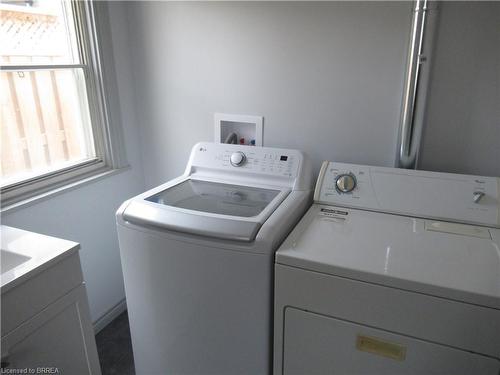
<point x="115" y="348"/>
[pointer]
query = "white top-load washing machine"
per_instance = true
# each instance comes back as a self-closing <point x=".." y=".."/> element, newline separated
<point x="391" y="271"/>
<point x="198" y="253"/>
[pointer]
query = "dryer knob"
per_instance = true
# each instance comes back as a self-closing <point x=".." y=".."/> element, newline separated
<point x="345" y="183"/>
<point x="237" y="159"/>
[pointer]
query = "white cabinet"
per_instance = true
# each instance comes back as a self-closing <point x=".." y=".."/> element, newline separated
<point x="56" y="338"/>
<point x="45" y="320"/>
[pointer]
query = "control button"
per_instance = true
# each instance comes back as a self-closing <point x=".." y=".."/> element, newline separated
<point x="237" y="159"/>
<point x="477" y="196"/>
<point x="345" y="183"/>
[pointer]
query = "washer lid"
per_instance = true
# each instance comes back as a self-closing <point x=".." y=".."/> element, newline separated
<point x="456" y="261"/>
<point x="216" y="198"/>
<point x="234" y="212"/>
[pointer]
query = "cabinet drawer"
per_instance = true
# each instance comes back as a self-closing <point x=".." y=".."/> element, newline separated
<point x="59" y="337"/>
<point x="27" y="299"/>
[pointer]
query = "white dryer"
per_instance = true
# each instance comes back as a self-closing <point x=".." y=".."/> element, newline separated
<point x="197" y="255"/>
<point x="391" y="272"/>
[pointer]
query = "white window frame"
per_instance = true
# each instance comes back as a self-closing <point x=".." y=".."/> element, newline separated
<point x="91" y="20"/>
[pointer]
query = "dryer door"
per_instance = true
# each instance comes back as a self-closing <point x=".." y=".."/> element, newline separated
<point x="317" y="344"/>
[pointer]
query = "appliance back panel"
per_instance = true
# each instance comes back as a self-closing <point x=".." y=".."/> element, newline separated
<point x="435" y="195"/>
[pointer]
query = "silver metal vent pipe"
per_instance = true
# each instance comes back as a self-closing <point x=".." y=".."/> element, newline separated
<point x="416" y="80"/>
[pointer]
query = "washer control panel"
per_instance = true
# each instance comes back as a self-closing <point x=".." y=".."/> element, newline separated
<point x="447" y="196"/>
<point x="276" y="163"/>
<point x="251" y="159"/>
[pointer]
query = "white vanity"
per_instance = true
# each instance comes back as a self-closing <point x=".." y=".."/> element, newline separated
<point x="45" y="320"/>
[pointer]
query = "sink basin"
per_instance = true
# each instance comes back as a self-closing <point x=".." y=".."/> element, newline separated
<point x="10" y="260"/>
<point x="24" y="254"/>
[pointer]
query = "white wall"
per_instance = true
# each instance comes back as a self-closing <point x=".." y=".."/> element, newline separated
<point x="462" y="127"/>
<point x="86" y="214"/>
<point x="327" y="76"/>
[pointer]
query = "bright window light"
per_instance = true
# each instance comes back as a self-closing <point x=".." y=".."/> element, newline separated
<point x="45" y="119"/>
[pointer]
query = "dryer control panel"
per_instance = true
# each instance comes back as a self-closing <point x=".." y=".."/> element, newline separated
<point x="445" y="196"/>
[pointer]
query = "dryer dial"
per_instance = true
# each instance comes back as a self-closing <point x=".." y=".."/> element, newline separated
<point x="345" y="183"/>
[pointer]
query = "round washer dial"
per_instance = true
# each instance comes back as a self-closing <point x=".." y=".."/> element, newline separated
<point x="345" y="183"/>
<point x="237" y="159"/>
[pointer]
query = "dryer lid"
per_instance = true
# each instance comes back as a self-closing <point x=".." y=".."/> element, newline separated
<point x="448" y="260"/>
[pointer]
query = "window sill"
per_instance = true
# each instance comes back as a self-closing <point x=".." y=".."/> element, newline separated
<point x="98" y="175"/>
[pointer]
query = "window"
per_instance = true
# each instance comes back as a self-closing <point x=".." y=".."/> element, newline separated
<point x="55" y="126"/>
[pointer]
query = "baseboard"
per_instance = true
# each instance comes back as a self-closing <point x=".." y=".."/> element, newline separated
<point x="109" y="316"/>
